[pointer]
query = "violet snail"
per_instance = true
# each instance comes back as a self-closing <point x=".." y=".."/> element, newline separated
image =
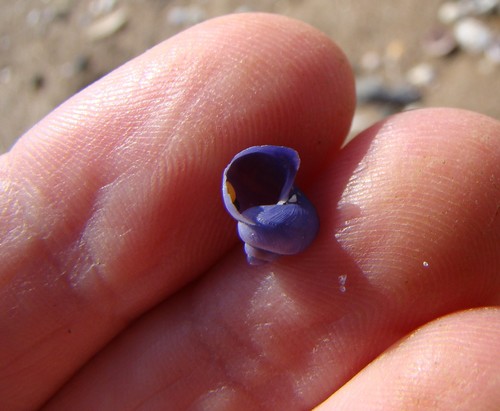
<point x="274" y="217"/>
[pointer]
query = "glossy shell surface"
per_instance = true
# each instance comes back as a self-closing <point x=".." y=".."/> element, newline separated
<point x="274" y="217"/>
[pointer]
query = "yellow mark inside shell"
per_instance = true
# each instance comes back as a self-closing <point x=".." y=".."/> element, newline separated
<point x="231" y="191"/>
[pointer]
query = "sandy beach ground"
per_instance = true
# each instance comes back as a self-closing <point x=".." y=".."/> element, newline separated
<point x="50" y="49"/>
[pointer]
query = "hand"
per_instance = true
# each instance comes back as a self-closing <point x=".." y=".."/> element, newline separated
<point x="124" y="286"/>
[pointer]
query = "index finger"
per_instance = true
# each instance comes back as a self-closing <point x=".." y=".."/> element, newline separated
<point x="112" y="202"/>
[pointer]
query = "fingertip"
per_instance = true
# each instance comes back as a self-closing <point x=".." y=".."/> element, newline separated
<point x="419" y="193"/>
<point x="450" y="363"/>
<point x="126" y="174"/>
<point x="246" y="79"/>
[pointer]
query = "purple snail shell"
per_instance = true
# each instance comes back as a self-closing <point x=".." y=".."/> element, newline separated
<point x="274" y="217"/>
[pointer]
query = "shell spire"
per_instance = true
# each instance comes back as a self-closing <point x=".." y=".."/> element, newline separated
<point x="274" y="217"/>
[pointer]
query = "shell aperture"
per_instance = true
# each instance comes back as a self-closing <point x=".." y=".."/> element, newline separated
<point x="274" y="217"/>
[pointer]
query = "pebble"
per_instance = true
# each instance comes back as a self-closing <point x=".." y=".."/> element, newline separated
<point x="37" y="81"/>
<point x="367" y="87"/>
<point x="472" y="35"/>
<point x="372" y="89"/>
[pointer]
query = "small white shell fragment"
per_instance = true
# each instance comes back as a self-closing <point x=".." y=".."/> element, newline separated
<point x="99" y="7"/>
<point x="371" y="61"/>
<point x="108" y="25"/>
<point x="450" y="12"/>
<point x="421" y="75"/>
<point x="472" y="35"/>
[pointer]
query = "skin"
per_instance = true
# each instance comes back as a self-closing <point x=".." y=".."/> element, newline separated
<point x="123" y="284"/>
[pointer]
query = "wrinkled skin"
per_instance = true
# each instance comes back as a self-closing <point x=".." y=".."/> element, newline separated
<point x="123" y="284"/>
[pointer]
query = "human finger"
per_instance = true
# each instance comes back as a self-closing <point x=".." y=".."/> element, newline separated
<point x="112" y="202"/>
<point x="452" y="363"/>
<point x="409" y="232"/>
